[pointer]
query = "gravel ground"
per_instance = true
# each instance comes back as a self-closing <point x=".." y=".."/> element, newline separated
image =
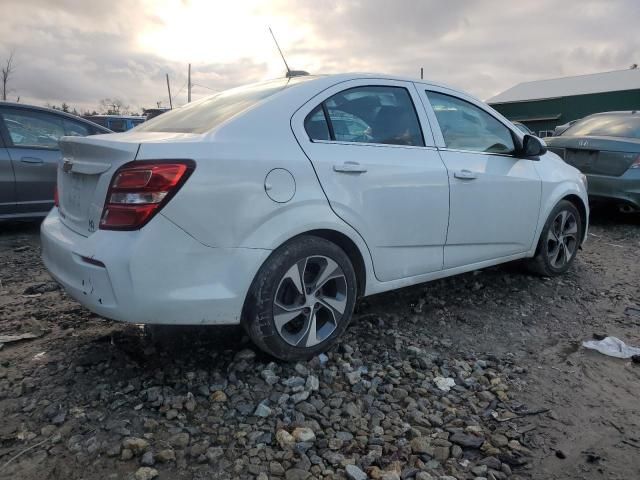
<point x="477" y="376"/>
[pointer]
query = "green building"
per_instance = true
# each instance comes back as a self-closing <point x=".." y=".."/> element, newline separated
<point x="544" y="104"/>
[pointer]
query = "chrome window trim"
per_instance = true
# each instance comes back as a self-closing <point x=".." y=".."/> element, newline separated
<point x="457" y="150"/>
<point x="365" y="144"/>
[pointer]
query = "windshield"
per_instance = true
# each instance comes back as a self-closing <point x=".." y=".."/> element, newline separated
<point x="206" y="114"/>
<point x="612" y="125"/>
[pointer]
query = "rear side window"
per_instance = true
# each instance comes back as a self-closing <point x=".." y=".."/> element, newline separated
<point x="206" y="114"/>
<point x="76" y="129"/>
<point x="372" y="114"/>
<point x="30" y="129"/>
<point x="467" y="127"/>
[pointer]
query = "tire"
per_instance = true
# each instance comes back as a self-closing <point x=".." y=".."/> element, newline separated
<point x="556" y="250"/>
<point x="279" y="318"/>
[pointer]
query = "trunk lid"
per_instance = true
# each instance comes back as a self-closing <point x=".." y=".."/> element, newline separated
<point x="88" y="163"/>
<point x="609" y="156"/>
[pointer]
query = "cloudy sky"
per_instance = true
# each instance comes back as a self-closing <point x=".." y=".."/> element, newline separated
<point x="80" y="51"/>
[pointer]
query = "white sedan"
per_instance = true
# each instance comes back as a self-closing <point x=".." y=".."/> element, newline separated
<point x="277" y="204"/>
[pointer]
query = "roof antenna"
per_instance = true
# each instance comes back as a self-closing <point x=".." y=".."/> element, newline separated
<point x="290" y="73"/>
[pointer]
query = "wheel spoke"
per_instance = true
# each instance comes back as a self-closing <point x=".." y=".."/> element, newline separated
<point x="563" y="220"/>
<point x="330" y="271"/>
<point x="296" y="275"/>
<point x="283" y="315"/>
<point x="309" y="336"/>
<point x="335" y="304"/>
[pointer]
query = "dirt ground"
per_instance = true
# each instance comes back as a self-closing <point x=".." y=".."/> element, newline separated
<point x="582" y="416"/>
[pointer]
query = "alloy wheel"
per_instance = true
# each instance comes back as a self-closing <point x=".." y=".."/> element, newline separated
<point x="310" y="301"/>
<point x="562" y="239"/>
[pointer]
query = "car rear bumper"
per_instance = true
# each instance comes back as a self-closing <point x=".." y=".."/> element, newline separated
<point x="623" y="189"/>
<point x="156" y="275"/>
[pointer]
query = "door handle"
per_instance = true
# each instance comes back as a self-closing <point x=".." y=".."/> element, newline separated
<point x="32" y="160"/>
<point x="349" y="167"/>
<point x="465" y="175"/>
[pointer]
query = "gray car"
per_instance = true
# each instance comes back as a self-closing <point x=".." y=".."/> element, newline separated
<point x="605" y="147"/>
<point x="29" y="156"/>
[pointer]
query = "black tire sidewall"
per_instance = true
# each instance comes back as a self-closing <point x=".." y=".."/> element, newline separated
<point x="257" y="317"/>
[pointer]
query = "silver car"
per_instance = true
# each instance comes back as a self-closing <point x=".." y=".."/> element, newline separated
<point x="29" y="156"/>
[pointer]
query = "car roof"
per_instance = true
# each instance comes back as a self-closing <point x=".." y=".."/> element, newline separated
<point x="37" y="108"/>
<point x="123" y="117"/>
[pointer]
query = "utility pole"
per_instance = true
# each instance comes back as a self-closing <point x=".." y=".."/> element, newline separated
<point x="169" y="90"/>
<point x="421" y="73"/>
<point x="189" y="85"/>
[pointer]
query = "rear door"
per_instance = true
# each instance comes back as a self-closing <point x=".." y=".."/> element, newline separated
<point x="495" y="196"/>
<point x="32" y="145"/>
<point x="7" y="178"/>
<point x="380" y="171"/>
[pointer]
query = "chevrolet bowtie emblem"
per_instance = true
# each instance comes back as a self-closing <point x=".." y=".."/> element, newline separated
<point x="67" y="165"/>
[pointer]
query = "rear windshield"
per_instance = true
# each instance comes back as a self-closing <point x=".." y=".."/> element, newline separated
<point x="206" y="114"/>
<point x="614" y="125"/>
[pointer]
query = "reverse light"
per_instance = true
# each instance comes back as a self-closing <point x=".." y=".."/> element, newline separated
<point x="140" y="189"/>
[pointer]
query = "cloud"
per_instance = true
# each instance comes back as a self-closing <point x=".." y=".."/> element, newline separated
<point x="80" y="52"/>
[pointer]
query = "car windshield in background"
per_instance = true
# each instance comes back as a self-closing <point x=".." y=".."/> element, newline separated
<point x="206" y="114"/>
<point x="613" y="125"/>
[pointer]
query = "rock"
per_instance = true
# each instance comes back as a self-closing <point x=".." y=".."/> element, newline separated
<point x="492" y="462"/>
<point x="276" y="469"/>
<point x="420" y="445"/>
<point x="354" y="377"/>
<point x="285" y="439"/>
<point x="444" y="384"/>
<point x="262" y="411"/>
<point x="135" y="444"/>
<point x="179" y="440"/>
<point x="560" y="454"/>
<point x="423" y="476"/>
<point x="148" y="459"/>
<point x="304" y="435"/>
<point x="464" y="440"/>
<point x="214" y="454"/>
<point x="218" y="396"/>
<point x="354" y="473"/>
<point x="313" y="383"/>
<point x="499" y="440"/>
<point x="126" y="454"/>
<point x="246" y="354"/>
<point x="297" y="474"/>
<point x="165" y="456"/>
<point x="146" y="473"/>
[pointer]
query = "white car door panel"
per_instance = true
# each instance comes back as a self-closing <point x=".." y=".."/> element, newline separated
<point x="494" y="213"/>
<point x="494" y="196"/>
<point x="395" y="196"/>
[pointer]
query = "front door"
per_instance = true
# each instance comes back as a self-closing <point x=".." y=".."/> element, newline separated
<point x="495" y="196"/>
<point x="380" y="171"/>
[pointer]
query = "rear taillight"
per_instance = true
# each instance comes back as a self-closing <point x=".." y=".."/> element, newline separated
<point x="636" y="164"/>
<point x="56" y="200"/>
<point x="138" y="191"/>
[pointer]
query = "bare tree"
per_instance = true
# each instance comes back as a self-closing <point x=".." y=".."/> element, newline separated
<point x="7" y="70"/>
<point x="113" y="106"/>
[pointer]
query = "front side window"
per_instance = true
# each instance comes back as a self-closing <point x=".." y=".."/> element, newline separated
<point x="376" y="114"/>
<point x="467" y="127"/>
<point x="33" y="129"/>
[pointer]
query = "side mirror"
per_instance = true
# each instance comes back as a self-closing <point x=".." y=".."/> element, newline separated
<point x="533" y="147"/>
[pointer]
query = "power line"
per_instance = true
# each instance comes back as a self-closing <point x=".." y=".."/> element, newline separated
<point x="203" y="86"/>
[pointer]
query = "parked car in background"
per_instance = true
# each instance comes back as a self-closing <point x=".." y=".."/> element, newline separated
<point x="523" y="128"/>
<point x="117" y="123"/>
<point x="560" y="129"/>
<point x="606" y="147"/>
<point x="277" y="204"/>
<point x="30" y="154"/>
